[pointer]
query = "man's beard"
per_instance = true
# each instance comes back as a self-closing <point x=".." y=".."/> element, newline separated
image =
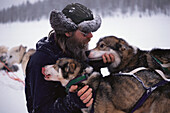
<point x="76" y="49"/>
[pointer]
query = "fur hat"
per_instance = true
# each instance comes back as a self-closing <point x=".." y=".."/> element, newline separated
<point x="73" y="17"/>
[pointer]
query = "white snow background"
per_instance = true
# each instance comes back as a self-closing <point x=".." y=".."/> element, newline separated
<point x="145" y="33"/>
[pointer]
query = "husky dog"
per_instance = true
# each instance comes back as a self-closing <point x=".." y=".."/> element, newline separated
<point x="3" y="58"/>
<point x="3" y="54"/>
<point x="128" y="58"/>
<point x="19" y="55"/>
<point x="116" y="93"/>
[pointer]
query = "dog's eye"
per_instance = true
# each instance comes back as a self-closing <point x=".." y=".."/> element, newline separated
<point x="102" y="46"/>
<point x="118" y="45"/>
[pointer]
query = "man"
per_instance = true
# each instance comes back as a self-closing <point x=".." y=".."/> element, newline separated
<point x="70" y="36"/>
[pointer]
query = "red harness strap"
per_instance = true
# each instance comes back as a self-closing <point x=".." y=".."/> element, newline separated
<point x="15" y="77"/>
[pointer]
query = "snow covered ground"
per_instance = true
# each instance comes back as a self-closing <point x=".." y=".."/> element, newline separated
<point x="145" y="33"/>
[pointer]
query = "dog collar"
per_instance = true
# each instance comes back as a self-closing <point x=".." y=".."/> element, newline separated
<point x="76" y="81"/>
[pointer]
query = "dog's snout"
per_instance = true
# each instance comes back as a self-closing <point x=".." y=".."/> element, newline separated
<point x="43" y="70"/>
<point x="87" y="53"/>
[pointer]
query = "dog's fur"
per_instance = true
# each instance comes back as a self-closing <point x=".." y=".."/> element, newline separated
<point x="3" y="58"/>
<point x="114" y="94"/>
<point x="19" y="55"/>
<point x="127" y="57"/>
<point x="3" y="54"/>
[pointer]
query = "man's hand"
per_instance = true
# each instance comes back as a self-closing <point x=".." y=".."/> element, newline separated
<point x="108" y="58"/>
<point x="84" y="93"/>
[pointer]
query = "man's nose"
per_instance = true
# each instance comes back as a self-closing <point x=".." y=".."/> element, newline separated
<point x="89" y="35"/>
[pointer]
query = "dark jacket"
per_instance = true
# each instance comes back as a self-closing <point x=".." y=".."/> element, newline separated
<point x="47" y="96"/>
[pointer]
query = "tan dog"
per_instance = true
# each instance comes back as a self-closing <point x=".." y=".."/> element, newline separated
<point x="19" y="55"/>
<point x="128" y="58"/>
<point x="3" y="54"/>
<point x="116" y="93"/>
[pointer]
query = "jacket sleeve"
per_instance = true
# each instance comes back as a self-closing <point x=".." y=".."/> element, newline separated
<point x="47" y="96"/>
<point x="70" y="104"/>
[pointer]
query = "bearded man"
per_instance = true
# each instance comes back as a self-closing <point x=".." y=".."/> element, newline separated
<point x="72" y="30"/>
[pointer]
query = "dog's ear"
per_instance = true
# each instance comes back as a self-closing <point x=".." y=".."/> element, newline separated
<point x="68" y="67"/>
<point x="123" y="45"/>
<point x="72" y="67"/>
<point x="22" y="47"/>
<point x="62" y="63"/>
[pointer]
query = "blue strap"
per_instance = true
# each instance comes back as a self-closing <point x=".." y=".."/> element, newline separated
<point x="147" y="94"/>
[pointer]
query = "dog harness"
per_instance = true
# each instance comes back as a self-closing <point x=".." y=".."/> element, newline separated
<point x="164" y="66"/>
<point x="149" y="90"/>
<point x="147" y="94"/>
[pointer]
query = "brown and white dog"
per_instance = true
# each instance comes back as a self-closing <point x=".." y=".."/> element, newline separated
<point x="116" y="93"/>
<point x="128" y="58"/>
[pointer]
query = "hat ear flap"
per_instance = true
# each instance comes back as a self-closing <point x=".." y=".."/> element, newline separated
<point x="90" y="25"/>
<point x="59" y="22"/>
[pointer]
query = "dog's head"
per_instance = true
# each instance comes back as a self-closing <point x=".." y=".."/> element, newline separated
<point x="15" y="55"/>
<point x="64" y="70"/>
<point x="3" y="53"/>
<point x="121" y="50"/>
<point x="3" y="50"/>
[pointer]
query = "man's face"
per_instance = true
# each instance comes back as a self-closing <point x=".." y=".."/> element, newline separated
<point x="81" y="39"/>
<point x="77" y="43"/>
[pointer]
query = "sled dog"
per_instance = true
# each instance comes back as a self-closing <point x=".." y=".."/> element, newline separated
<point x="3" y="54"/>
<point x="128" y="57"/>
<point x="116" y="93"/>
<point x="19" y="55"/>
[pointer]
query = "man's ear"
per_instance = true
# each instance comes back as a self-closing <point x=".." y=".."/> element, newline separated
<point x="69" y="34"/>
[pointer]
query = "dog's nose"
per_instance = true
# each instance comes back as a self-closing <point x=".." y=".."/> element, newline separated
<point x="87" y="53"/>
<point x="43" y="71"/>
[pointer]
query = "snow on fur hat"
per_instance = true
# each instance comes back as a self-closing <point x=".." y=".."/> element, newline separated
<point x="73" y="17"/>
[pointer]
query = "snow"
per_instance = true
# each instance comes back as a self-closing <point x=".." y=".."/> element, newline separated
<point x="12" y="97"/>
<point x="145" y="33"/>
